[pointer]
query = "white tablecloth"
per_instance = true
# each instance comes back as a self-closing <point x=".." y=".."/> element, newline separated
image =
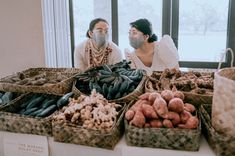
<point x="121" y="149"/>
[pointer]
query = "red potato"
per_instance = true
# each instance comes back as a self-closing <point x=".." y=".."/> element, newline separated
<point x="156" y="123"/>
<point x="167" y="95"/>
<point x="160" y="106"/>
<point x="136" y="106"/>
<point x="191" y="123"/>
<point x="146" y="102"/>
<point x="153" y="96"/>
<point x="177" y="94"/>
<point x="174" y="117"/>
<point x="167" y="123"/>
<point x="184" y="116"/>
<point x="176" y="105"/>
<point x="189" y="107"/>
<point x="144" y="96"/>
<point x="148" y="111"/>
<point x="147" y="125"/>
<point x="129" y="114"/>
<point x="138" y="120"/>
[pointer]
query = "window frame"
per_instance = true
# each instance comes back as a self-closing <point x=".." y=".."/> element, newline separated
<point x="170" y="26"/>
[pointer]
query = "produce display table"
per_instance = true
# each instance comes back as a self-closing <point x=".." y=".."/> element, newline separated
<point x="121" y="149"/>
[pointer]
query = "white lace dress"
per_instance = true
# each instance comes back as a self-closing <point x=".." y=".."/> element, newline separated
<point x="165" y="56"/>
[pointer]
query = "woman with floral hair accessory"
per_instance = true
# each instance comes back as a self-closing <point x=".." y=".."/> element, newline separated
<point x="149" y="54"/>
<point x="97" y="49"/>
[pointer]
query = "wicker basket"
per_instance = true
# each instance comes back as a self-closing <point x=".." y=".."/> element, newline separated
<point x="191" y="97"/>
<point x="167" y="138"/>
<point x="59" y="88"/>
<point x="71" y="133"/>
<point x="13" y="122"/>
<point x="126" y="99"/>
<point x="223" y="106"/>
<point x="221" y="144"/>
<point x="16" y="96"/>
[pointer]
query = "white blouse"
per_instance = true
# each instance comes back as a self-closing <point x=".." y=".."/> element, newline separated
<point x="165" y="56"/>
<point x="81" y="58"/>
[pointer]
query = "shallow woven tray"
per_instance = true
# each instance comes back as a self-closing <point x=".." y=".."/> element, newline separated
<point x="190" y="97"/>
<point x="126" y="99"/>
<point x="16" y="96"/>
<point x="59" y="88"/>
<point x="13" y="122"/>
<point x="167" y="138"/>
<point x="221" y="144"/>
<point x="71" y="133"/>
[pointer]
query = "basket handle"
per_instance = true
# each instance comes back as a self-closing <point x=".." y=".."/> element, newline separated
<point x="222" y="57"/>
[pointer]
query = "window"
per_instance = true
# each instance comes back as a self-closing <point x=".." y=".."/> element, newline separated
<point x="201" y="30"/>
<point x="84" y="12"/>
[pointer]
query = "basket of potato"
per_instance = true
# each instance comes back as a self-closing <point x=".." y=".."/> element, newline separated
<point x="163" y="120"/>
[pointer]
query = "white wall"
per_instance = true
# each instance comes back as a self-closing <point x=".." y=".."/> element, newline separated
<point x="21" y="36"/>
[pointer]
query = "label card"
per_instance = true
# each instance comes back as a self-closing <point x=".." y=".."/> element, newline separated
<point x="25" y="145"/>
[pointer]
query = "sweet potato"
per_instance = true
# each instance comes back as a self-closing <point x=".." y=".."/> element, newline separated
<point x="189" y="107"/>
<point x="136" y="106"/>
<point x="167" y="95"/>
<point x="145" y="102"/>
<point x="191" y="123"/>
<point x="184" y="116"/>
<point x="174" y="117"/>
<point x="153" y="96"/>
<point x="148" y="111"/>
<point x="156" y="123"/>
<point x="129" y="114"/>
<point x="167" y="123"/>
<point x="176" y="105"/>
<point x="177" y="94"/>
<point x="147" y="125"/>
<point x="138" y="120"/>
<point x="144" y="96"/>
<point x="160" y="106"/>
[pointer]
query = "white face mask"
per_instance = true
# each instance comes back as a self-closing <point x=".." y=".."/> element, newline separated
<point x="136" y="42"/>
<point x="100" y="39"/>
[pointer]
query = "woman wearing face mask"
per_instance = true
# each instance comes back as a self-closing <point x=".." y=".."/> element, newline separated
<point x="149" y="54"/>
<point x="96" y="50"/>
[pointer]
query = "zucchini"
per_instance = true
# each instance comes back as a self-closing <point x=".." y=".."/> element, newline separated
<point x="48" y="111"/>
<point x="35" y="102"/>
<point x="48" y="103"/>
<point x="28" y="111"/>
<point x="34" y="113"/>
<point x="7" y="97"/>
<point x="1" y="94"/>
<point x="64" y="100"/>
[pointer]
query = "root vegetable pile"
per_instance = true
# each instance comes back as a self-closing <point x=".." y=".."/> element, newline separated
<point x="92" y="112"/>
<point x="194" y="82"/>
<point x="166" y="109"/>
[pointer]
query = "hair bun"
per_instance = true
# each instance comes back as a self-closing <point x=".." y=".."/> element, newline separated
<point x="152" y="38"/>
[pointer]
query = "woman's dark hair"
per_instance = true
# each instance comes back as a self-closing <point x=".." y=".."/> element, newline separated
<point x="93" y="23"/>
<point x="145" y="27"/>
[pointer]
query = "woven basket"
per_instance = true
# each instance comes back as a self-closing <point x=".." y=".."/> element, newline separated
<point x="167" y="138"/>
<point x="59" y="88"/>
<point x="223" y="106"/>
<point x="126" y="99"/>
<point x="13" y="122"/>
<point x="221" y="144"/>
<point x="71" y="133"/>
<point x="190" y="97"/>
<point x="16" y="96"/>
